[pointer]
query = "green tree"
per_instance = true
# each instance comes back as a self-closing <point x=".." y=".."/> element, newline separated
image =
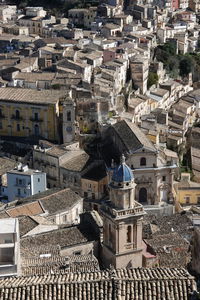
<point x="186" y="65"/>
<point x="152" y="79"/>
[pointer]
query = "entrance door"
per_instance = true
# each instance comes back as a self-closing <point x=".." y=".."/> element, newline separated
<point x="143" y="195"/>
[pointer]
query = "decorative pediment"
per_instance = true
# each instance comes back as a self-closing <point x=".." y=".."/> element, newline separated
<point x="144" y="150"/>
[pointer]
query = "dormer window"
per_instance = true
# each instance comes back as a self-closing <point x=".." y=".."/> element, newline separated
<point x="143" y="161"/>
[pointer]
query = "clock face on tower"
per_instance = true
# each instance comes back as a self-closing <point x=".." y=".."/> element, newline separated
<point x="69" y="129"/>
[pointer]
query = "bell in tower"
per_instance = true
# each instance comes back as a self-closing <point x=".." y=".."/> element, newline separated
<point x="122" y="221"/>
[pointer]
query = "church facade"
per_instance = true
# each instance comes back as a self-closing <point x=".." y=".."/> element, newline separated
<point x="153" y="172"/>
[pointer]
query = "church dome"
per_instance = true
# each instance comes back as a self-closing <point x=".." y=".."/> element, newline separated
<point x="122" y="173"/>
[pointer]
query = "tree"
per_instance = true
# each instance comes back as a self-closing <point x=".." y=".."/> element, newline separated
<point x="186" y="65"/>
<point x="152" y="79"/>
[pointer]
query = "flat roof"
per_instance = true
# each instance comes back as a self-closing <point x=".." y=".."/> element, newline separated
<point x="8" y="225"/>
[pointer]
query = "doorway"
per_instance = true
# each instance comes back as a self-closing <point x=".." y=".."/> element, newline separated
<point x="143" y="195"/>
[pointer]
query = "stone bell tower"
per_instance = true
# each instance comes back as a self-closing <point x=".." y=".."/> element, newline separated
<point x="122" y="221"/>
<point x="69" y="122"/>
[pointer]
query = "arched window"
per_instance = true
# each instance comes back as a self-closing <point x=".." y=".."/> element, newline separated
<point x="142" y="161"/>
<point x="17" y="114"/>
<point x="129" y="233"/>
<point x="69" y="117"/>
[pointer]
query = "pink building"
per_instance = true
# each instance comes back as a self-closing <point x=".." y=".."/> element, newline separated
<point x="175" y="4"/>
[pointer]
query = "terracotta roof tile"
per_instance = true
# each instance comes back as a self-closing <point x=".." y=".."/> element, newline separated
<point x="126" y="284"/>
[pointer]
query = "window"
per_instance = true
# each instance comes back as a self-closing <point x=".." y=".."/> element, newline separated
<point x="36" y="116"/>
<point x="198" y="199"/>
<point x="18" y="127"/>
<point x="18" y="192"/>
<point x="8" y="240"/>
<point x="38" y="179"/>
<point x="109" y="233"/>
<point x="143" y="161"/>
<point x="95" y="207"/>
<point x="17" y="114"/>
<point x="129" y="233"/>
<point x="77" y="253"/>
<point x="187" y="199"/>
<point x="85" y="194"/>
<point x="24" y="191"/>
<point x="1" y="126"/>
<point x="36" y="130"/>
<point x="20" y="181"/>
<point x="164" y="178"/>
<point x="64" y="218"/>
<point x="93" y="195"/>
<point x="69" y="116"/>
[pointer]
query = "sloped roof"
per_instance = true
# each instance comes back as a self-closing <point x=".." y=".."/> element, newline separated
<point x="31" y="96"/>
<point x="26" y="224"/>
<point x="132" y="137"/>
<point x="6" y="164"/>
<point x="69" y="236"/>
<point x="77" y="163"/>
<point x="60" y="201"/>
<point x="159" y="283"/>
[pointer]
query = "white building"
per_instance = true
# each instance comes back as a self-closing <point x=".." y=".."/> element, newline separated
<point x="9" y="247"/>
<point x="23" y="182"/>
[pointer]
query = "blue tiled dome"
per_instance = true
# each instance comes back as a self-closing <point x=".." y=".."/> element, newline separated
<point x="122" y="173"/>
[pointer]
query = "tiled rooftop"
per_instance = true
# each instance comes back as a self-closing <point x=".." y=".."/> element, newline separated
<point x="126" y="284"/>
<point x="30" y="95"/>
<point x="132" y="136"/>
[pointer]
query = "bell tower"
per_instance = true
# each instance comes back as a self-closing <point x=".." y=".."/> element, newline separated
<point x="122" y="221"/>
<point x="69" y="122"/>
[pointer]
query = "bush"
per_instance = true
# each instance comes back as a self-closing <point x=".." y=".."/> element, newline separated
<point x="152" y="79"/>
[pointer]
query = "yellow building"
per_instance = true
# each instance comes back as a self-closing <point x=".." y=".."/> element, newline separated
<point x="30" y="113"/>
<point x="187" y="191"/>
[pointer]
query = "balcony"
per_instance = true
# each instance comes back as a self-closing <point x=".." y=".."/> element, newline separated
<point x="17" y="118"/>
<point x="32" y="119"/>
<point x="121" y="213"/>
